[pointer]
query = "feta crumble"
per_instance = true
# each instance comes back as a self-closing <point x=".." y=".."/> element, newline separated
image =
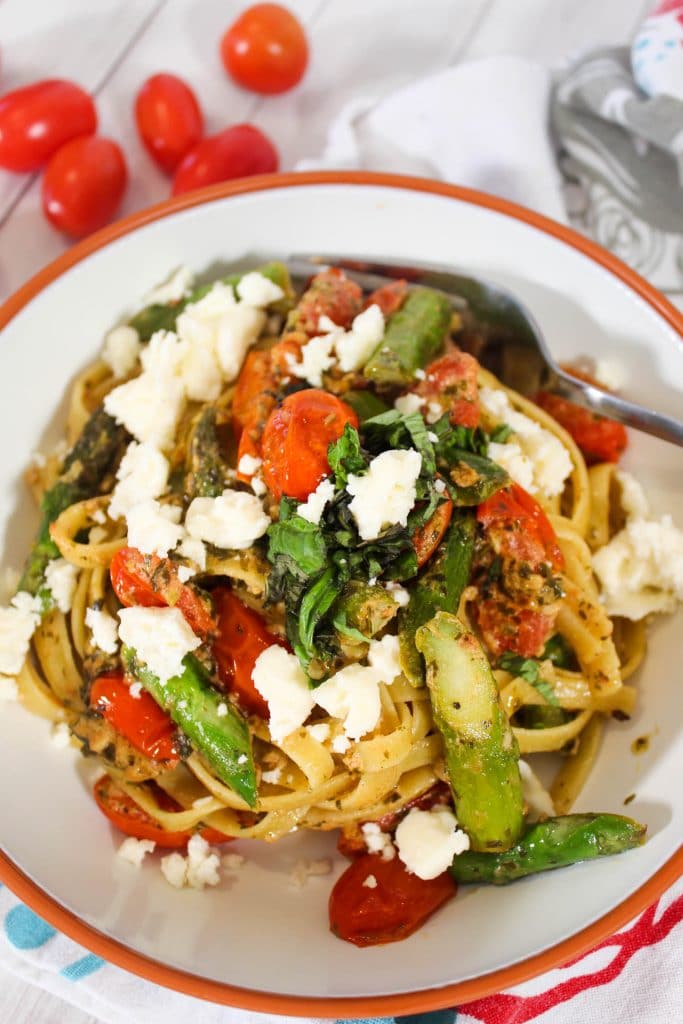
<point x="160" y="637"/>
<point x="385" y="494"/>
<point x="198" y="869"/>
<point x="248" y="464"/>
<point x="173" y="289"/>
<point x="378" y="841"/>
<point x="60" y="578"/>
<point x="60" y="736"/>
<point x="103" y="629"/>
<point x="641" y="569"/>
<point x="257" y="290"/>
<point x="149" y="407"/>
<point x="257" y="485"/>
<point x="316" y="359"/>
<point x="234" y="520"/>
<point x="272" y="777"/>
<point x="428" y="841"/>
<point x="319" y="732"/>
<point x="194" y="550"/>
<point x="237" y="331"/>
<point x="121" y="350"/>
<point x="314" y="506"/>
<point x="399" y="593"/>
<point x="142" y="473"/>
<point x="135" y="690"/>
<point x="281" y="681"/>
<point x="17" y="624"/>
<point x="370" y="882"/>
<point x="305" y="869"/>
<point x="134" y="850"/>
<point x="383" y="656"/>
<point x="222" y="709"/>
<point x="355" y="347"/>
<point x="154" y="529"/>
<point x="340" y="744"/>
<point x="352" y="694"/>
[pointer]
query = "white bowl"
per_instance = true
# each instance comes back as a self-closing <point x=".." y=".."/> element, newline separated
<point x="255" y="941"/>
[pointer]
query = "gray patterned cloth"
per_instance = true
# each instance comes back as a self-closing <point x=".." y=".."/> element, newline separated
<point x="621" y="153"/>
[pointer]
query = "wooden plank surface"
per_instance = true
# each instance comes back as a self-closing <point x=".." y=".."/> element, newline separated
<point x="358" y="48"/>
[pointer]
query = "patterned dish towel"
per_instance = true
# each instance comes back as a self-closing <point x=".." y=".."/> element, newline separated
<point x="617" y="118"/>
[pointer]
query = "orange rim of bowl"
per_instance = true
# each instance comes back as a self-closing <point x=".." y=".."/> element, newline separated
<point x="354" y="1006"/>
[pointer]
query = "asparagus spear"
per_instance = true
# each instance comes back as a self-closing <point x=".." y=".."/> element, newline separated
<point x="158" y="317"/>
<point x="481" y="751"/>
<point x="438" y="588"/>
<point x="91" y="457"/>
<point x="364" y="607"/>
<point x="193" y="703"/>
<point x="365" y="404"/>
<point x="473" y="478"/>
<point x="206" y="478"/>
<point x="413" y="336"/>
<point x="550" y="844"/>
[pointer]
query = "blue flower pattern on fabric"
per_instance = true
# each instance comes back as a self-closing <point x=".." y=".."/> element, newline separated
<point x="25" y="930"/>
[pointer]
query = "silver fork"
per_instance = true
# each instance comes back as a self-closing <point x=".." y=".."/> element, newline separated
<point x="511" y="345"/>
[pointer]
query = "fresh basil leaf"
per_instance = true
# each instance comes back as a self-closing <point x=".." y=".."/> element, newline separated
<point x="300" y="543"/>
<point x="501" y="433"/>
<point x="530" y="670"/>
<point x="316" y="602"/>
<point x="560" y="652"/>
<point x="341" y="625"/>
<point x="345" y="456"/>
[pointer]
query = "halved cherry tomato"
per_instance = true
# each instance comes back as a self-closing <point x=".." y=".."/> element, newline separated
<point x="330" y="293"/>
<point x="36" y="120"/>
<point x="169" y="119"/>
<point x="140" y="719"/>
<point x="507" y="626"/>
<point x="254" y="379"/>
<point x="518" y="528"/>
<point x="153" y="582"/>
<point x="296" y="438"/>
<point x="237" y="152"/>
<point x="130" y="819"/>
<point x="427" y="539"/>
<point x="600" y="439"/>
<point x="452" y="382"/>
<point x="396" y="906"/>
<point x="265" y="49"/>
<point x="83" y="185"/>
<point x="390" y="297"/>
<point x="240" y="638"/>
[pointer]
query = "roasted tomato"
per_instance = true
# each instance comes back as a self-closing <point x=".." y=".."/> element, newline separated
<point x="506" y="625"/>
<point x="153" y="582"/>
<point x="518" y="528"/>
<point x="600" y="439"/>
<point x="390" y="297"/>
<point x="427" y="539"/>
<point x="330" y="294"/>
<point x="452" y="382"/>
<point x="391" y="908"/>
<point x="140" y="719"/>
<point x="296" y="438"/>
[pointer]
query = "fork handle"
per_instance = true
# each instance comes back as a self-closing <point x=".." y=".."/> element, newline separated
<point x="606" y="404"/>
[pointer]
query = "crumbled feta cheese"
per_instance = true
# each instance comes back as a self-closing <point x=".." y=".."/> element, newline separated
<point x="434" y="411"/>
<point x="248" y="465"/>
<point x="219" y="300"/>
<point x="135" y="850"/>
<point x="320" y="731"/>
<point x="340" y="744"/>
<point x="304" y="869"/>
<point x="632" y="497"/>
<point x="316" y="359"/>
<point x="534" y="457"/>
<point x="420" y="374"/>
<point x="160" y="638"/>
<point x="148" y="407"/>
<point x="185" y="573"/>
<point x="272" y="777"/>
<point x="429" y="840"/>
<point x="162" y="356"/>
<point x="142" y="473"/>
<point x="17" y="624"/>
<point x="314" y="506"/>
<point x="60" y="735"/>
<point x="370" y="882"/>
<point x="237" y="332"/>
<point x="432" y="436"/>
<point x="234" y="520"/>
<point x="8" y="689"/>
<point x="222" y="709"/>
<point x="385" y="494"/>
<point x="99" y="516"/>
<point x="378" y="841"/>
<point x="103" y="629"/>
<point x="355" y="347"/>
<point x="352" y="694"/>
<point x="198" y="869"/>
<point x="61" y="578"/>
<point x="257" y="485"/>
<point x="154" y="529"/>
<point x="173" y="289"/>
<point x="399" y="593"/>
<point x="440" y="485"/>
<point x="383" y="656"/>
<point x="610" y="373"/>
<point x="257" y="290"/>
<point x="536" y="796"/>
<point x="135" y="690"/>
<point x="641" y="569"/>
<point x="121" y="350"/>
<point x="232" y="861"/>
<point x="281" y="681"/>
<point x="194" y="550"/>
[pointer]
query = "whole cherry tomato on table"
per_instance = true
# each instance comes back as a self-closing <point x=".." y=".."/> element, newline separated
<point x="36" y="120"/>
<point x="237" y="152"/>
<point x="169" y="119"/>
<point x="296" y="438"/>
<point x="84" y="184"/>
<point x="265" y="49"/>
<point x="140" y="719"/>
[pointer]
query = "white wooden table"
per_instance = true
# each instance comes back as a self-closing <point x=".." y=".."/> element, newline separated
<point x="358" y="48"/>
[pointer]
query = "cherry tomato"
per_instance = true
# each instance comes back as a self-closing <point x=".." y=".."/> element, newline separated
<point x="240" y="638"/>
<point x="265" y="49"/>
<point x="452" y="382"/>
<point x="130" y="819"/>
<point x="140" y="719"/>
<point x="236" y="152"/>
<point x="519" y="529"/>
<point x="507" y="626"/>
<point x="296" y="438"/>
<point x="427" y="539"/>
<point x="83" y="185"/>
<point x="390" y="297"/>
<point x="600" y="439"/>
<point x="331" y="293"/>
<point x="36" y="120"/>
<point x="169" y="119"/>
<point x="255" y="378"/>
<point x="152" y="582"/>
<point x="396" y="906"/>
